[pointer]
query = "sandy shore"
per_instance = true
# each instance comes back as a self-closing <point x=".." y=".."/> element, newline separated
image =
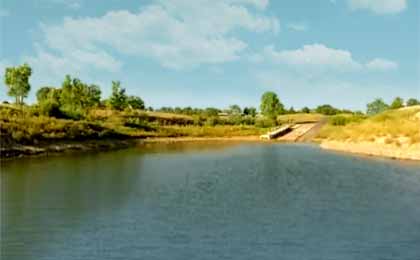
<point x="403" y="152"/>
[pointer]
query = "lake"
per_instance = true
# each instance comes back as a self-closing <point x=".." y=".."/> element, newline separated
<point x="210" y="201"/>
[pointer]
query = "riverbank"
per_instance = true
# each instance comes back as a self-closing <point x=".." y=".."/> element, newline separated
<point x="405" y="152"/>
<point x="68" y="147"/>
<point x="393" y="134"/>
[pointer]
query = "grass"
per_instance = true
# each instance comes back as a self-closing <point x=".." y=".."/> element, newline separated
<point x="24" y="126"/>
<point x="213" y="131"/>
<point x="390" y="125"/>
<point x="300" y="118"/>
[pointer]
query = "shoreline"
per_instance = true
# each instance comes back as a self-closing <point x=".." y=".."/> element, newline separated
<point x="13" y="152"/>
<point x="391" y="151"/>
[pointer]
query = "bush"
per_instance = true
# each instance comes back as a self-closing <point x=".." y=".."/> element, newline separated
<point x="344" y="120"/>
<point x="265" y="122"/>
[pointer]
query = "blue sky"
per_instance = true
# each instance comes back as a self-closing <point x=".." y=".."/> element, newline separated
<point x="220" y="52"/>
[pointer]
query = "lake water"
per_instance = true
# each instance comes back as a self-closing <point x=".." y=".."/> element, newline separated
<point x="210" y="201"/>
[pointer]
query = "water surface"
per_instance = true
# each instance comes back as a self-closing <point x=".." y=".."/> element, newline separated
<point x="210" y="201"/>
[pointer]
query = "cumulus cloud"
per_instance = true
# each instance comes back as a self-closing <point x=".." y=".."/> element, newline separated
<point x="381" y="64"/>
<point x="379" y="6"/>
<point x="177" y="34"/>
<point x="315" y="56"/>
<point x="318" y="57"/>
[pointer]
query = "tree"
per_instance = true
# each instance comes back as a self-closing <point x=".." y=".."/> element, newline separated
<point x="235" y="110"/>
<point x="49" y="101"/>
<point x="211" y="112"/>
<point x="17" y="81"/>
<point x="251" y="111"/>
<point x="135" y="102"/>
<point x="118" y="99"/>
<point x="306" y="110"/>
<point x="376" y="107"/>
<point x="397" y="103"/>
<point x="327" y="110"/>
<point x="271" y="105"/>
<point x="412" y="102"/>
<point x="76" y="97"/>
<point x="292" y="111"/>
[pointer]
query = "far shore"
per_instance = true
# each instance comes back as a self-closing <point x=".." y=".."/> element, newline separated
<point x="411" y="152"/>
<point x="63" y="147"/>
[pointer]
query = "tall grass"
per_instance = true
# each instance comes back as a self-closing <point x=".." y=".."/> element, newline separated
<point x="391" y="124"/>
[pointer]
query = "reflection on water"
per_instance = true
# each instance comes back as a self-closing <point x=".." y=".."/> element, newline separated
<point x="210" y="201"/>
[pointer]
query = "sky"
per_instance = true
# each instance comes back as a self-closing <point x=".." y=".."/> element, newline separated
<point x="217" y="53"/>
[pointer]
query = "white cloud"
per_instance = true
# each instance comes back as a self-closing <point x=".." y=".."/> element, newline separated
<point x="72" y="4"/>
<point x="300" y="27"/>
<point x="176" y="33"/>
<point x="317" y="56"/>
<point x="4" y="12"/>
<point x="381" y="64"/>
<point x="379" y="6"/>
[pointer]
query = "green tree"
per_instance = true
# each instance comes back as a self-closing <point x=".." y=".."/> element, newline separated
<point x="251" y="111"/>
<point x="413" y="102"/>
<point x="376" y="107"/>
<point x="235" y="110"/>
<point x="327" y="110"/>
<point x="135" y="102"/>
<point x="49" y="101"/>
<point x="271" y="105"/>
<point x="118" y="99"/>
<point x="292" y="111"/>
<point x="76" y="97"/>
<point x="306" y="110"/>
<point x="397" y="103"/>
<point x="17" y="81"/>
<point x="211" y="112"/>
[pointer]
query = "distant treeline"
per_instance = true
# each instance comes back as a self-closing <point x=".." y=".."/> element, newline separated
<point x="75" y="98"/>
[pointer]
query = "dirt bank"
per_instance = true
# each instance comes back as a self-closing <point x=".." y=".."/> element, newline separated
<point x="404" y="152"/>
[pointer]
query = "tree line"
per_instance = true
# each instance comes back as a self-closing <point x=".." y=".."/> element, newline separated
<point x="75" y="97"/>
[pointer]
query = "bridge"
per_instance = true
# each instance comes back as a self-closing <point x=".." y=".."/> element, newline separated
<point x="294" y="132"/>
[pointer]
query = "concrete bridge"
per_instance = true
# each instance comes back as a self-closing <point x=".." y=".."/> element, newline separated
<point x="294" y="132"/>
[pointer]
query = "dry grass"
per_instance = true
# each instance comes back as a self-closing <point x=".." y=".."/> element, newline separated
<point x="212" y="131"/>
<point x="391" y="125"/>
<point x="300" y="118"/>
<point x="22" y="126"/>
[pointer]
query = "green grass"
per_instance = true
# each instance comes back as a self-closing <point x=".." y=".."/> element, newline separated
<point x="25" y="126"/>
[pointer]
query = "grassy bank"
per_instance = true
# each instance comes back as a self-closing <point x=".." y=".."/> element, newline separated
<point x="393" y="133"/>
<point x="23" y="126"/>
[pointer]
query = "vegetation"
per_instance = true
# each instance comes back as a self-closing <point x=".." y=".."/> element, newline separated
<point x="75" y="111"/>
<point x="376" y="107"/>
<point x="271" y="105"/>
<point x="17" y="81"/>
<point x="397" y="103"/>
<point x="327" y="110"/>
<point x="413" y="102"/>
<point x="391" y="125"/>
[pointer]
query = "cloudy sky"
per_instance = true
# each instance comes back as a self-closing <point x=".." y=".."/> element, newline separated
<point x="220" y="52"/>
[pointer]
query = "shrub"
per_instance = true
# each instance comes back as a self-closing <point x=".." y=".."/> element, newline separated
<point x="265" y="122"/>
